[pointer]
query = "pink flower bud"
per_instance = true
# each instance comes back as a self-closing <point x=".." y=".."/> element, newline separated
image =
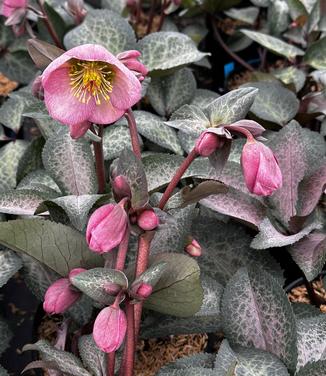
<point x="110" y="329"/>
<point x="194" y="248"/>
<point x="8" y="7"/>
<point x="75" y="272"/>
<point x="37" y="88"/>
<point x="129" y="59"/>
<point x="106" y="227"/>
<point x="121" y="187"/>
<point x="148" y="220"/>
<point x="260" y="169"/>
<point x="144" y="290"/>
<point x="207" y="143"/>
<point x="59" y="297"/>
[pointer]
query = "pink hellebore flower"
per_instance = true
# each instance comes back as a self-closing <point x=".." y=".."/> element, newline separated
<point x="107" y="227"/>
<point x="129" y="59"/>
<point x="260" y="168"/>
<point x="110" y="329"/>
<point x="88" y="84"/>
<point x="8" y="7"/>
<point x="60" y="296"/>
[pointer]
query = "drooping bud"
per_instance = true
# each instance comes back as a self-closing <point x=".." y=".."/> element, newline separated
<point x="121" y="187"/>
<point x="112" y="288"/>
<point x="207" y="143"/>
<point x="60" y="296"/>
<point x="106" y="227"/>
<point x="260" y="168"/>
<point x="194" y="248"/>
<point x="110" y="329"/>
<point x="129" y="59"/>
<point x="148" y="220"/>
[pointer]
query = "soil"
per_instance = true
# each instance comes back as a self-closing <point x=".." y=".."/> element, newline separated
<point x="6" y="85"/>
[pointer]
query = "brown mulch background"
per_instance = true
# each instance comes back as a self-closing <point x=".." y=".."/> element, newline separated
<point x="6" y="86"/>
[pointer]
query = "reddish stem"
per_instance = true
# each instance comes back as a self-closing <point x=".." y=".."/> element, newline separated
<point x="49" y="26"/>
<point x="227" y="49"/>
<point x="241" y="130"/>
<point x="122" y="252"/>
<point x="99" y="161"/>
<point x="151" y="17"/>
<point x="129" y="354"/>
<point x="176" y="178"/>
<point x="111" y="363"/>
<point x="133" y="133"/>
<point x="144" y="243"/>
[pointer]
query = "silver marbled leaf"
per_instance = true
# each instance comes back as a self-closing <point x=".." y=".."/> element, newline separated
<point x="104" y="27"/>
<point x="167" y="49"/>
<point x="256" y="313"/>
<point x="70" y="163"/>
<point x="10" y="263"/>
<point x="93" y="358"/>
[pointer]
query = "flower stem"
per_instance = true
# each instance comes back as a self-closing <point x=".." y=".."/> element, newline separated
<point x="176" y="178"/>
<point x="133" y="133"/>
<point x="151" y="17"/>
<point x="49" y="26"/>
<point x="144" y="243"/>
<point x="242" y="130"/>
<point x="227" y="49"/>
<point x="111" y="363"/>
<point x="99" y="161"/>
<point x="127" y="368"/>
<point x="122" y="252"/>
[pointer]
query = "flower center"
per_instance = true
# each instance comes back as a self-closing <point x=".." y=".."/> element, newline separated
<point x="91" y="79"/>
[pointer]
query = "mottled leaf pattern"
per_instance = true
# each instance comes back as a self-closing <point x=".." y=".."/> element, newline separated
<point x="10" y="263"/>
<point x="104" y="27"/>
<point x="167" y="49"/>
<point x="5" y="334"/>
<point x="166" y="94"/>
<point x="274" y="103"/>
<point x="59" y="247"/>
<point x="71" y="164"/>
<point x="93" y="358"/>
<point x="257" y="313"/>
<point x="315" y="55"/>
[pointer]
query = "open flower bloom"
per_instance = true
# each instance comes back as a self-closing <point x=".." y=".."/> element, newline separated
<point x="110" y="329"/>
<point x="260" y="168"/>
<point x="88" y="84"/>
<point x="107" y="227"/>
<point x="8" y="7"/>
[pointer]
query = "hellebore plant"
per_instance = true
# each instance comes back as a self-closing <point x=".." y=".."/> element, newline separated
<point x="129" y="212"/>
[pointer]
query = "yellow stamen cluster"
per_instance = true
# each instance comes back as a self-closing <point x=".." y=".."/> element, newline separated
<point x="91" y="79"/>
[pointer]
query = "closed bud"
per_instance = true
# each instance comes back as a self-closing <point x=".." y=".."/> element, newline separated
<point x="144" y="290"/>
<point x="260" y="169"/>
<point x="110" y="329"/>
<point x="148" y="220"/>
<point x="207" y="143"/>
<point x="121" y="187"/>
<point x="193" y="248"/>
<point x="60" y="296"/>
<point x="106" y="227"/>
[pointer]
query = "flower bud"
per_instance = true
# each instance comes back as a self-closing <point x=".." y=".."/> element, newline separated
<point x="129" y="59"/>
<point x="37" y="88"/>
<point x="148" y="220"/>
<point x="144" y="290"/>
<point x="106" y="227"/>
<point x="75" y="272"/>
<point x="260" y="169"/>
<point x="121" y="187"/>
<point x="194" y="248"/>
<point x="60" y="296"/>
<point x="207" y="143"/>
<point x="112" y="288"/>
<point x="110" y="329"/>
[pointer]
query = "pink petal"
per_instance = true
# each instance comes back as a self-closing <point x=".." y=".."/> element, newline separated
<point x="105" y="113"/>
<point x="97" y="217"/>
<point x="60" y="102"/>
<point x="9" y="6"/>
<point x="130" y="54"/>
<point x="78" y="130"/>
